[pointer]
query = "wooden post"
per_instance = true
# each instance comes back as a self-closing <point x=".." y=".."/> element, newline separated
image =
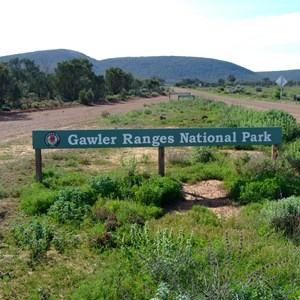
<point x="161" y="161"/>
<point x="38" y="165"/>
<point x="274" y="152"/>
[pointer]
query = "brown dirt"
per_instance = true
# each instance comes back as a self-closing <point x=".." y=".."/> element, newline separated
<point x="17" y="125"/>
<point x="209" y="193"/>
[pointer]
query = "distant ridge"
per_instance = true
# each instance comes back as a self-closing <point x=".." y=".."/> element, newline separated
<point x="170" y="68"/>
<point x="288" y="74"/>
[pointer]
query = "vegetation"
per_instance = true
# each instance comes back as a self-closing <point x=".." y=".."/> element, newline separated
<point x="102" y="224"/>
<point x="172" y="69"/>
<point x="24" y="86"/>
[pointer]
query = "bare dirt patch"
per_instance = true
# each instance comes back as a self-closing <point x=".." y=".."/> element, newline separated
<point x="209" y="193"/>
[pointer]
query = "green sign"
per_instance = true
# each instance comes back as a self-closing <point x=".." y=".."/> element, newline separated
<point x="158" y="137"/>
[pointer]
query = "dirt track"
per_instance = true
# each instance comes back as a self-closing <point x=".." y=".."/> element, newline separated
<point x="16" y="125"/>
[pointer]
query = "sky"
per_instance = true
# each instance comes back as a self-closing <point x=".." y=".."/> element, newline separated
<point x="260" y="35"/>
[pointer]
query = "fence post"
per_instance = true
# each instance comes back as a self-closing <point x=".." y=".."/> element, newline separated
<point x="161" y="161"/>
<point x="38" y="165"/>
<point x="274" y="154"/>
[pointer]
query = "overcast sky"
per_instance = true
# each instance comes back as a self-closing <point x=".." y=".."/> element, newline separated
<point x="261" y="35"/>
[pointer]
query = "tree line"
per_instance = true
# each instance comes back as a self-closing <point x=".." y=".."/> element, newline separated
<point x="21" y="80"/>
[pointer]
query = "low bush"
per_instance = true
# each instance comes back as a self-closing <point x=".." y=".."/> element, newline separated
<point x="35" y="236"/>
<point x="284" y="215"/>
<point x="292" y="154"/>
<point x="158" y="191"/>
<point x="202" y="154"/>
<point x="71" y="205"/>
<point x="256" y="191"/>
<point x="106" y="186"/>
<point x="167" y="257"/>
<point x="131" y="211"/>
<point x="36" y="199"/>
<point x="256" y="172"/>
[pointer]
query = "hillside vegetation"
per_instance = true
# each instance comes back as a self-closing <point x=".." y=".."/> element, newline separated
<point x="169" y="68"/>
<point x="103" y="225"/>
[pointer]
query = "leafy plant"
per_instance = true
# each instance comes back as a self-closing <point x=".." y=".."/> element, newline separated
<point x="35" y="236"/>
<point x="158" y="191"/>
<point x="105" y="185"/>
<point x="36" y="199"/>
<point x="284" y="215"/>
<point x="255" y="191"/>
<point x="167" y="257"/>
<point x="203" y="154"/>
<point x="71" y="205"/>
<point x="129" y="165"/>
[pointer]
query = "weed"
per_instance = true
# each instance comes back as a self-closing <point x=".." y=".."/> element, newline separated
<point x="284" y="215"/>
<point x="130" y="165"/>
<point x="35" y="236"/>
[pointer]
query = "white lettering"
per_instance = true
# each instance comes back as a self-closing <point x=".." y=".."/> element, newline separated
<point x="92" y="140"/>
<point x="73" y="140"/>
<point x="246" y="136"/>
<point x="82" y="141"/>
<point x="127" y="139"/>
<point x="211" y="138"/>
<point x="267" y="137"/>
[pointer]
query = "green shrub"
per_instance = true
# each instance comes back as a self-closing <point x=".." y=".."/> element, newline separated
<point x="36" y="199"/>
<point x="203" y="154"/>
<point x="290" y="127"/>
<point x="256" y="191"/>
<point x="177" y="157"/>
<point x="58" y="181"/>
<point x="257" y="168"/>
<point x="71" y="205"/>
<point x="276" y="94"/>
<point x="130" y="165"/>
<point x="35" y="236"/>
<point x="133" y="212"/>
<point x="106" y="186"/>
<point x="292" y="154"/>
<point x="86" y="96"/>
<point x="158" y="191"/>
<point x="148" y="194"/>
<point x="165" y="256"/>
<point x="284" y="215"/>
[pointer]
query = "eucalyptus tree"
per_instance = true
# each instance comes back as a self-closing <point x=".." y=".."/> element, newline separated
<point x="73" y="76"/>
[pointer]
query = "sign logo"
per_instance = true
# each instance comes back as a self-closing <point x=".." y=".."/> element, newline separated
<point x="52" y="139"/>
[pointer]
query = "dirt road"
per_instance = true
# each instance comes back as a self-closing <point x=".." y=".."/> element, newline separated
<point x="16" y="125"/>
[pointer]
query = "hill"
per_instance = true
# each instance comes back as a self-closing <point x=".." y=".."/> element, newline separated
<point x="170" y="68"/>
<point x="288" y="74"/>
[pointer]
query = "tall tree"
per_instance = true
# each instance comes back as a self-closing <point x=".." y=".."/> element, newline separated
<point x="73" y="76"/>
<point x="4" y="81"/>
<point x="117" y="80"/>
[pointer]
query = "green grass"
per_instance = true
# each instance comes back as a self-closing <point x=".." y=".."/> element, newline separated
<point x="122" y="249"/>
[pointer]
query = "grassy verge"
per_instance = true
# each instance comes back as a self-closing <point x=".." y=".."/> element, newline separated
<point x="96" y="227"/>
